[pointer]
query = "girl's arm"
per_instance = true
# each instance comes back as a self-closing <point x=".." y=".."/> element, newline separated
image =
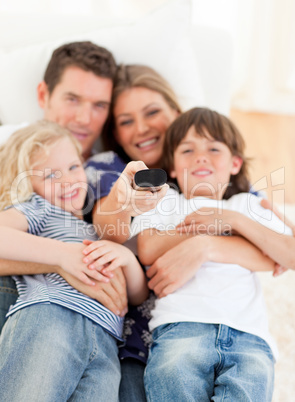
<point x="17" y="245"/>
<point x="112" y="214"/>
<point x="106" y="256"/>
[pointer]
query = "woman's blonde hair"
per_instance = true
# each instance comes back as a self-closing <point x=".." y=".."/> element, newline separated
<point x="17" y="154"/>
<point x="134" y="76"/>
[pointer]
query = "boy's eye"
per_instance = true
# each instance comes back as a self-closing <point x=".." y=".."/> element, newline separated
<point x="214" y="149"/>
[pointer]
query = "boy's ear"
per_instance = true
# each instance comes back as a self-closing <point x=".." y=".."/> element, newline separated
<point x="42" y="94"/>
<point x="237" y="164"/>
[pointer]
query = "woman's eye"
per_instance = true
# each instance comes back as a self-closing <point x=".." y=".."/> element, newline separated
<point x="186" y="151"/>
<point x="125" y="122"/>
<point x="153" y="112"/>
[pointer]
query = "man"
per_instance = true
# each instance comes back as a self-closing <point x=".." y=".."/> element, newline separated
<point x="76" y="93"/>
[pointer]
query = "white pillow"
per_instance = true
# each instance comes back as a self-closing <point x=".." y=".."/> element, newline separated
<point x="160" y="39"/>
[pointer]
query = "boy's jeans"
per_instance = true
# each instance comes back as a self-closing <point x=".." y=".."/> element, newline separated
<point x="202" y="362"/>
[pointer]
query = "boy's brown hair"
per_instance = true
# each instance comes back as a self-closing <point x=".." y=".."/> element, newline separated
<point x="219" y="127"/>
<point x="85" y="55"/>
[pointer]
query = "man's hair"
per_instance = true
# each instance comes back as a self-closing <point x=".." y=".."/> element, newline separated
<point x="209" y="123"/>
<point x="85" y="55"/>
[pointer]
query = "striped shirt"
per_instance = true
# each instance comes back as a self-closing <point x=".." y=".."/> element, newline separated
<point x="47" y="220"/>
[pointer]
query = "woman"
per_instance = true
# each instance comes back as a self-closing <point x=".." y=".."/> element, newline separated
<point x="143" y="107"/>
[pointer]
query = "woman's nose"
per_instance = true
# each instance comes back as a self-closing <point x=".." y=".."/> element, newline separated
<point x="141" y="126"/>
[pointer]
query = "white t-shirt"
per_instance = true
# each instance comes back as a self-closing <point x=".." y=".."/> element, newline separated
<point x="219" y="293"/>
<point x="7" y="129"/>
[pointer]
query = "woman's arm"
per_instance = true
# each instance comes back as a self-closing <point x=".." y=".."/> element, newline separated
<point x="279" y="247"/>
<point x="180" y="263"/>
<point x="112" y="214"/>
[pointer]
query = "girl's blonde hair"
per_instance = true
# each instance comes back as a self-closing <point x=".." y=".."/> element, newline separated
<point x="134" y="76"/>
<point x="219" y="127"/>
<point x="17" y="154"/>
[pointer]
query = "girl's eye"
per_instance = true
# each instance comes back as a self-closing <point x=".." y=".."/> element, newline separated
<point x="50" y="176"/>
<point x="76" y="166"/>
<point x="186" y="151"/>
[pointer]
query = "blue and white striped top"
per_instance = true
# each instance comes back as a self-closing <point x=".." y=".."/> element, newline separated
<point x="47" y="220"/>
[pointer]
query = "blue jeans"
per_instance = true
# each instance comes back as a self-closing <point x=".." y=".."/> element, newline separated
<point x="50" y="353"/>
<point x="8" y="296"/>
<point x="202" y="362"/>
<point x="131" y="386"/>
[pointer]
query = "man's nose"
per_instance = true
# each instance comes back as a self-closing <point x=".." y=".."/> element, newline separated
<point x="83" y="114"/>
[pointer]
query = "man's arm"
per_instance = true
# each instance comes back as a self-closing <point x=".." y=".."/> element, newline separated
<point x="113" y="295"/>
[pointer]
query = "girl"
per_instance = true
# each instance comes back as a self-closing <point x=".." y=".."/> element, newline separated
<point x="58" y="343"/>
<point x="210" y="336"/>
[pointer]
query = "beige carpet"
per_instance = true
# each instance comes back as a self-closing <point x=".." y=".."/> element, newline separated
<point x="280" y="299"/>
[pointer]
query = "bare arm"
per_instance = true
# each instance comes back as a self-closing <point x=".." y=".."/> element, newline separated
<point x="107" y="256"/>
<point x="112" y="214"/>
<point x="180" y="263"/>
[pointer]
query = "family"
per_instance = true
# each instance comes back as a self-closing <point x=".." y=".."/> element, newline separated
<point x="195" y="326"/>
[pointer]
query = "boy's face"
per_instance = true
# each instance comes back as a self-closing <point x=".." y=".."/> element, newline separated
<point x="203" y="166"/>
<point x="59" y="177"/>
<point x="80" y="102"/>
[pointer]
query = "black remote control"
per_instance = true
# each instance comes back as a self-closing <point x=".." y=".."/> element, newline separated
<point x="150" y="179"/>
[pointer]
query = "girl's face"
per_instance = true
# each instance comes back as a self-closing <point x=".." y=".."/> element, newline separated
<point x="203" y="166"/>
<point x="142" y="117"/>
<point x="59" y="177"/>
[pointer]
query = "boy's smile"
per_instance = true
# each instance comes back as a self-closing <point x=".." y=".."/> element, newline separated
<point x="203" y="166"/>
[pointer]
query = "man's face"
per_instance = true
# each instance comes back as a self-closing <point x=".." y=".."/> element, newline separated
<point x="80" y="102"/>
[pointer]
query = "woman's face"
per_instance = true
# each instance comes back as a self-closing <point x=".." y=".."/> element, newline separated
<point x="142" y="117"/>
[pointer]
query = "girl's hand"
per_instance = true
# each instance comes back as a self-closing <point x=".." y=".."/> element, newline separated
<point x="71" y="261"/>
<point x="209" y="221"/>
<point x="105" y="256"/>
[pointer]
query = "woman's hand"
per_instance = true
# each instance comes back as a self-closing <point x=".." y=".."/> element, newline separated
<point x="177" y="266"/>
<point x="134" y="202"/>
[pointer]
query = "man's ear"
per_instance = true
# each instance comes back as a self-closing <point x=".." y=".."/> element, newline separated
<point x="42" y="94"/>
<point x="237" y="163"/>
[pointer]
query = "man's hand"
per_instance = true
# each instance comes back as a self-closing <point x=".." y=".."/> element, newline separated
<point x="113" y="295"/>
